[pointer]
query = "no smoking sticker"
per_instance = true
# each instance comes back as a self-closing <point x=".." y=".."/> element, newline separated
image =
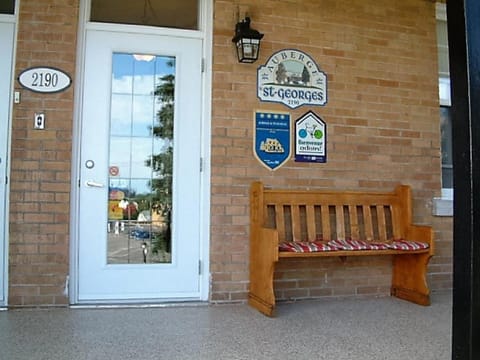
<point x="113" y="170"/>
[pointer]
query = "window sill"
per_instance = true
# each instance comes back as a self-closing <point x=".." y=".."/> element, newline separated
<point x="443" y="206"/>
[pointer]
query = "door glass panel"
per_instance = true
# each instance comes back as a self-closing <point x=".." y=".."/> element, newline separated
<point x="141" y="159"/>
<point x="182" y="14"/>
<point x="7" y="6"/>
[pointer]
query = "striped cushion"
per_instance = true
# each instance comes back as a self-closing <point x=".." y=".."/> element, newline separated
<point x="323" y="246"/>
<point x="377" y="246"/>
<point x="349" y="244"/>
<point x="407" y="245"/>
<point x="305" y="246"/>
<point x="352" y="245"/>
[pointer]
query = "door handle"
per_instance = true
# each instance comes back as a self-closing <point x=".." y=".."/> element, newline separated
<point x="94" y="184"/>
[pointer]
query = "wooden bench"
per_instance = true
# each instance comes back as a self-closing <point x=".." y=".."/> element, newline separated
<point x="319" y="223"/>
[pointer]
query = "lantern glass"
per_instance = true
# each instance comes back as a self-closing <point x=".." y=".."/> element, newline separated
<point x="247" y="50"/>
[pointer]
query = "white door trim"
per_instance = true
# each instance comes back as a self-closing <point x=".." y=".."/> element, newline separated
<point x="5" y="134"/>
<point x="206" y="26"/>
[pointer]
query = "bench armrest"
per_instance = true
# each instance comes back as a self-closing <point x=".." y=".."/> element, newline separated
<point x="265" y="243"/>
<point x="422" y="233"/>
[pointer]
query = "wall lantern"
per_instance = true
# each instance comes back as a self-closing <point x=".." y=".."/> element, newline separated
<point x="247" y="41"/>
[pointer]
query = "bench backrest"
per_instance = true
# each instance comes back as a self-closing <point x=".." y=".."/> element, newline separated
<point x="308" y="215"/>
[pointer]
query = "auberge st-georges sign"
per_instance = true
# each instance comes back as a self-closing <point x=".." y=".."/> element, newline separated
<point x="292" y="77"/>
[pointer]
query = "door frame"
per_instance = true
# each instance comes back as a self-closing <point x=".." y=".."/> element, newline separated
<point x="5" y="155"/>
<point x="206" y="34"/>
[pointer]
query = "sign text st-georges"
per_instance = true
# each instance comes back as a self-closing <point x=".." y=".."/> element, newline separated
<point x="293" y="78"/>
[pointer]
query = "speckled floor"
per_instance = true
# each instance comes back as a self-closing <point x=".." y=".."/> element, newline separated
<point x="358" y="329"/>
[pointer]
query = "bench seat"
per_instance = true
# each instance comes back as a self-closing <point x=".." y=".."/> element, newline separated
<point x="340" y="224"/>
<point x="350" y="245"/>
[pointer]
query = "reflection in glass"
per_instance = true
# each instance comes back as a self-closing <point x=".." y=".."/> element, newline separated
<point x="447" y="149"/>
<point x="141" y="159"/>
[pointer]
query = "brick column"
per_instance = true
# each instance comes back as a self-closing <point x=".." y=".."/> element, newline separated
<point x="41" y="159"/>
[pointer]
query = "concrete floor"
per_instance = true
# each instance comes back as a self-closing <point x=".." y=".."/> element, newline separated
<point x="353" y="329"/>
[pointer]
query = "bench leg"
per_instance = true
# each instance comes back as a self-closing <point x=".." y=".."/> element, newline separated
<point x="409" y="278"/>
<point x="261" y="295"/>
<point x="263" y="257"/>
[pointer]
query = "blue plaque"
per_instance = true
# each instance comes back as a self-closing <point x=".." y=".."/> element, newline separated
<point x="272" y="138"/>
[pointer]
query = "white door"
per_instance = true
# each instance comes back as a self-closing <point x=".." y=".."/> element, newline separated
<point x="139" y="227"/>
<point x="6" y="44"/>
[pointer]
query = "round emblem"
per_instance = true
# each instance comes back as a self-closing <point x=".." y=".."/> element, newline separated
<point x="113" y="170"/>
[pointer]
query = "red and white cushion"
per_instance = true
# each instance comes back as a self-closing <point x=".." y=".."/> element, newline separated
<point x="305" y="246"/>
<point x="297" y="247"/>
<point x="407" y="245"/>
<point x="377" y="246"/>
<point x="323" y="246"/>
<point x="349" y="244"/>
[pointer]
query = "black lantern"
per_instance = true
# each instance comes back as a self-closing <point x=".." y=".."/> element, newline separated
<point x="247" y="41"/>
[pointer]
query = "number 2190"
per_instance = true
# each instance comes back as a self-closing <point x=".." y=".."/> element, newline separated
<point x="44" y="79"/>
<point x="41" y="79"/>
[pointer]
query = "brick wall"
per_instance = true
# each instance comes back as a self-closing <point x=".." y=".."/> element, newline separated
<point x="441" y="265"/>
<point x="383" y="129"/>
<point x="41" y="159"/>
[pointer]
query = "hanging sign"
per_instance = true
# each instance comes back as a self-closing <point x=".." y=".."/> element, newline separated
<point x="115" y="196"/>
<point x="291" y="77"/>
<point x="272" y="138"/>
<point x="44" y="79"/>
<point x="310" y="139"/>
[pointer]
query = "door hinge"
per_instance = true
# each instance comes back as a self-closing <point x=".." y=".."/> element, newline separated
<point x="201" y="164"/>
<point x="199" y="267"/>
<point x="203" y="65"/>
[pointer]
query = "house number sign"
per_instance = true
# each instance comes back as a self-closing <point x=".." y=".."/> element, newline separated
<point x="44" y="79"/>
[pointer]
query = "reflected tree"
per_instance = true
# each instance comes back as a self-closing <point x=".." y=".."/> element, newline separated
<point x="162" y="163"/>
<point x="305" y="76"/>
<point x="281" y="74"/>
